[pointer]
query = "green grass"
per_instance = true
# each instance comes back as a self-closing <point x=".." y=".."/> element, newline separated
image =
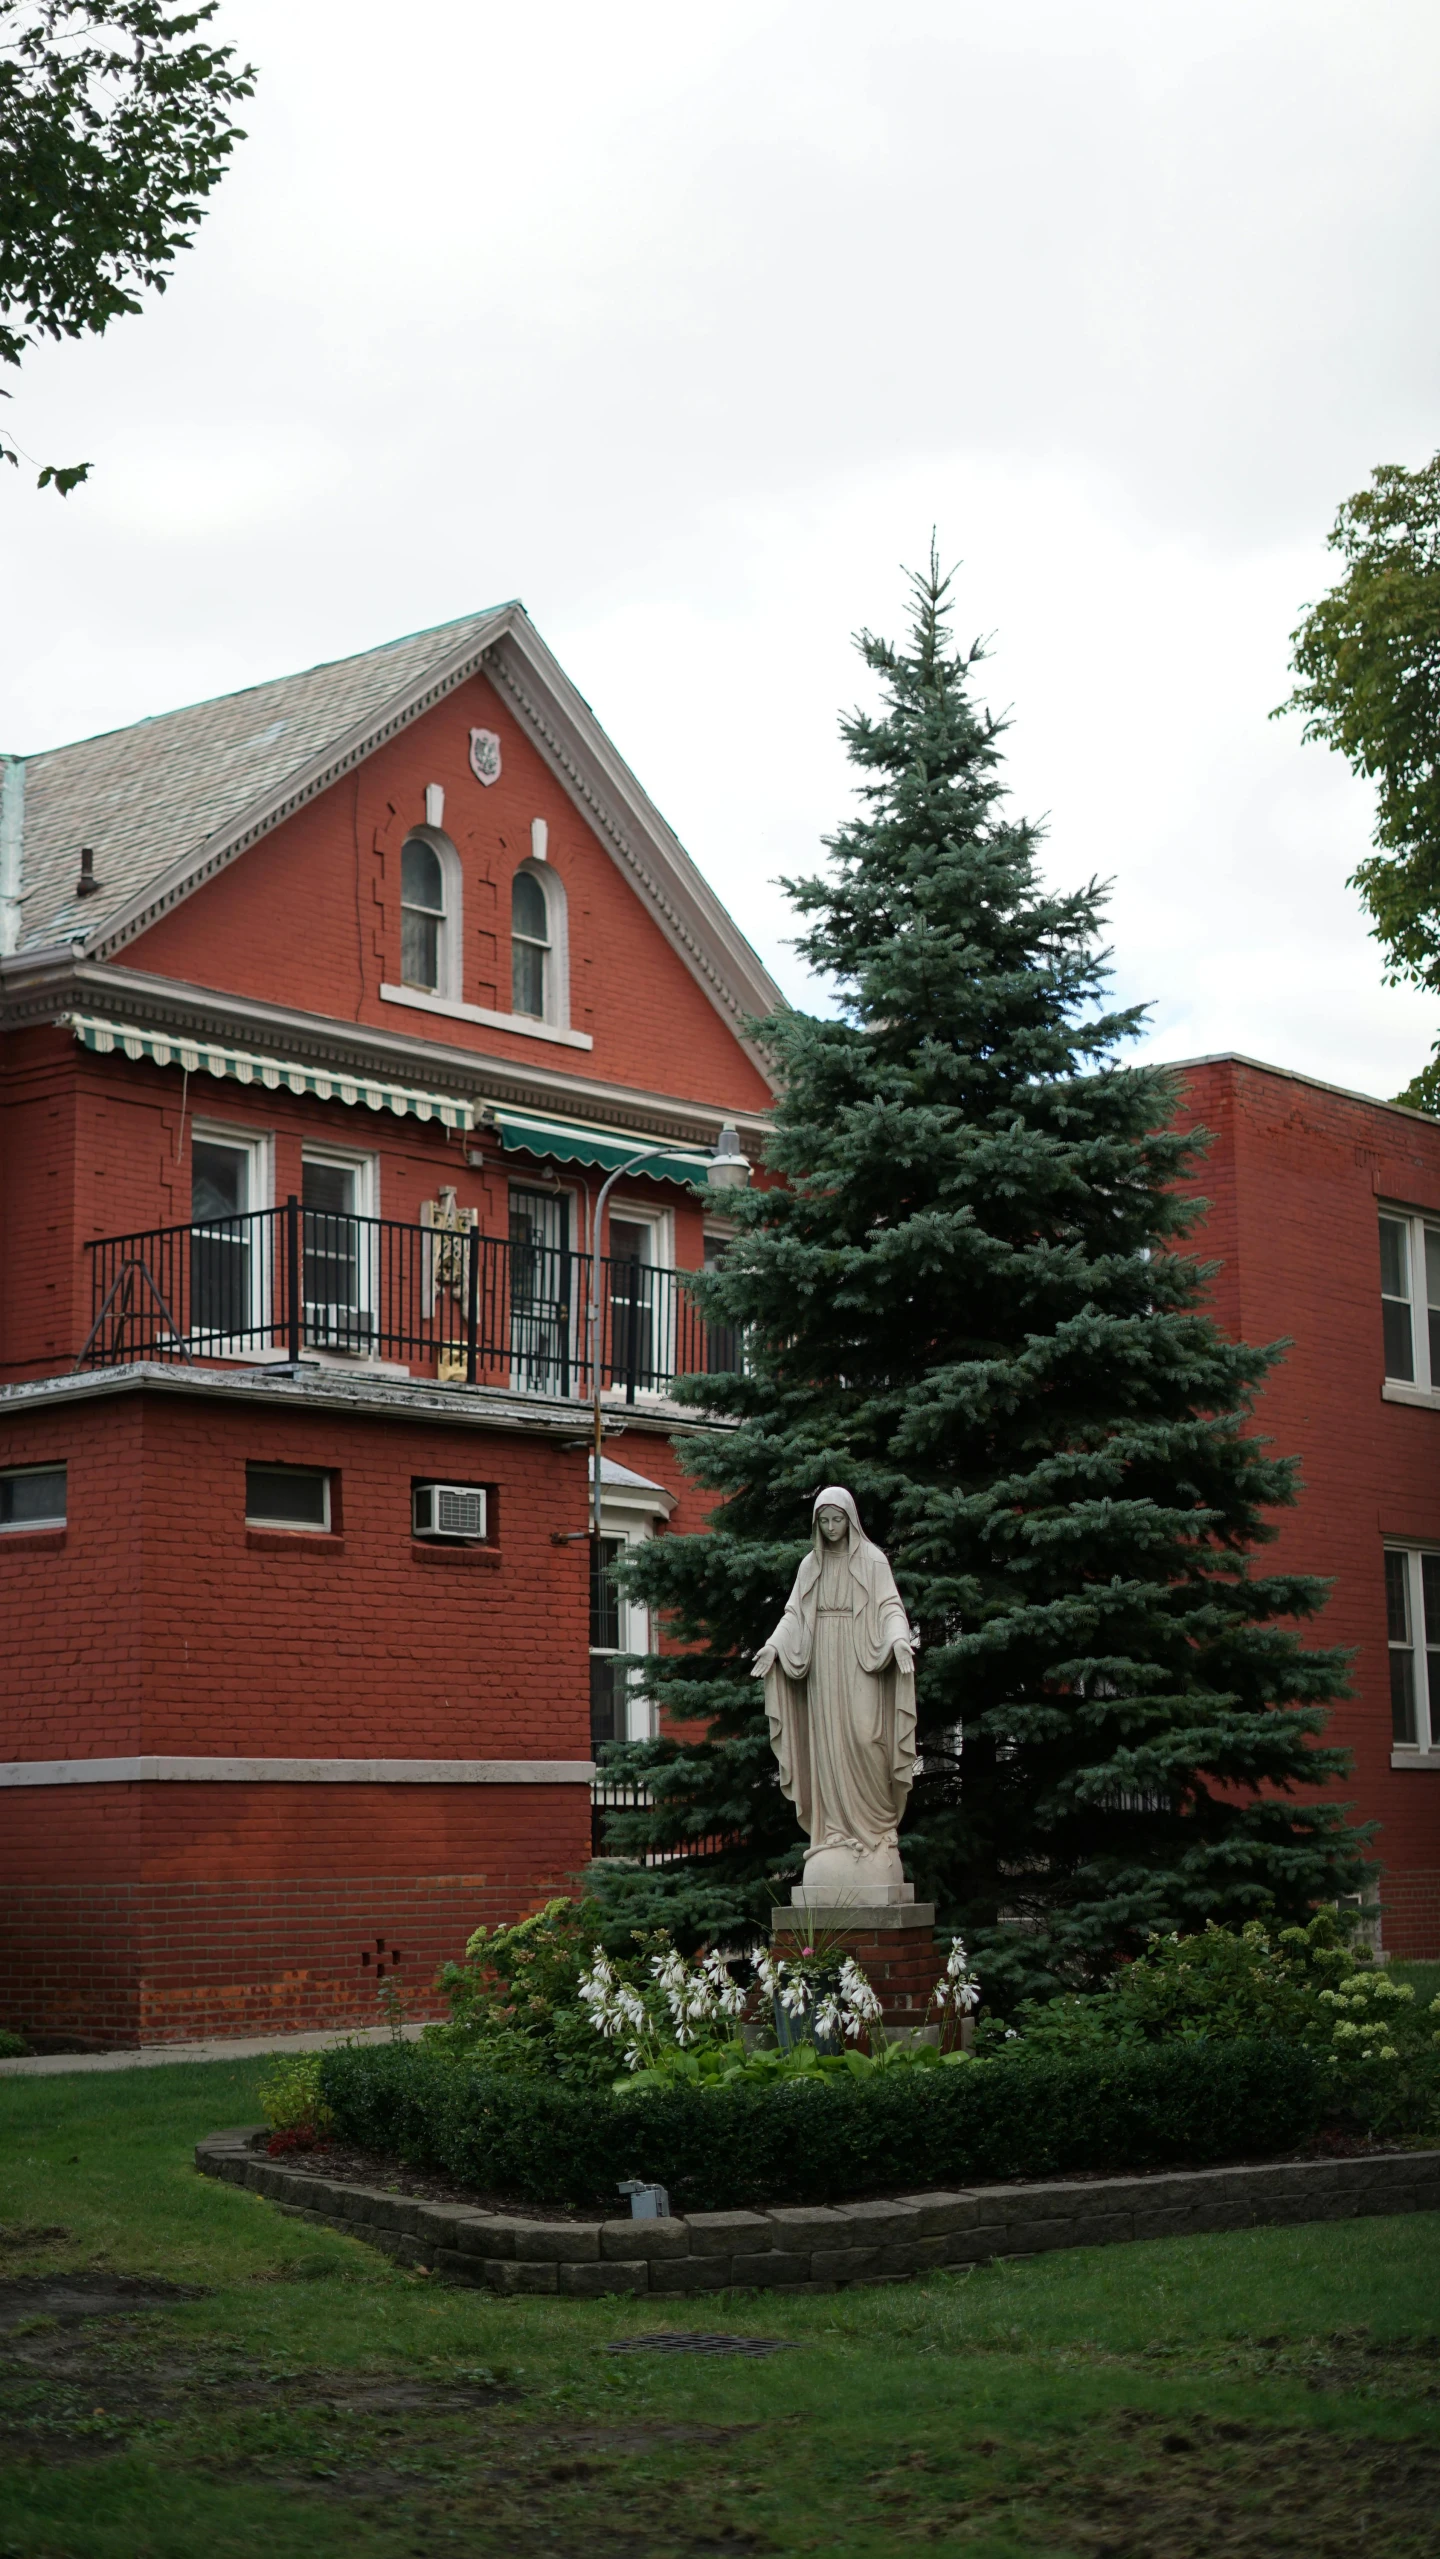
<point x="1255" y="2395"/>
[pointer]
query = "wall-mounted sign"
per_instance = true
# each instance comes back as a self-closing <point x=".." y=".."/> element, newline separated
<point x="485" y="756"/>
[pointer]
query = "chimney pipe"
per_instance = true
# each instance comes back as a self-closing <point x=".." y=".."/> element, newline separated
<point x="87" y="884"/>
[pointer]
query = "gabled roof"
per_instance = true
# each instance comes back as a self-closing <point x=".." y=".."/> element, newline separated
<point x="168" y="803"/>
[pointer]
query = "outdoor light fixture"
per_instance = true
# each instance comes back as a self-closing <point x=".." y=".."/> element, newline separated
<point x="728" y="1170"/>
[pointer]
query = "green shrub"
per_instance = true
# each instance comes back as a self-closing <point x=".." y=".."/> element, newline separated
<point x="293" y="2102"/>
<point x="824" y="2137"/>
<point x="1378" y="2045"/>
<point x="515" y="2001"/>
<point x="12" y="2046"/>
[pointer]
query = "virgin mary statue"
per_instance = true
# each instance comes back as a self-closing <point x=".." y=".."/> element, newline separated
<point x="839" y="1675"/>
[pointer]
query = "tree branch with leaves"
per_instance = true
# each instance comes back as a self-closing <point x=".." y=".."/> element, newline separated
<point x="115" y="126"/>
<point x="1367" y="660"/>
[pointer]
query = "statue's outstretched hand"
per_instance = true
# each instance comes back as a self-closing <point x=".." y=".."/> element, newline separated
<point x="763" y="1663"/>
<point x="904" y="1658"/>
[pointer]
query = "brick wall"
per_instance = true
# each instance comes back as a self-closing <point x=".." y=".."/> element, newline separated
<point x="1294" y="1177"/>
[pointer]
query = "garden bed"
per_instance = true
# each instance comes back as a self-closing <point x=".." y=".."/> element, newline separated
<point x="340" y="2164"/>
<point x="819" y="2247"/>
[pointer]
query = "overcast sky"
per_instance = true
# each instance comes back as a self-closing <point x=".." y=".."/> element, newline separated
<point x="684" y="326"/>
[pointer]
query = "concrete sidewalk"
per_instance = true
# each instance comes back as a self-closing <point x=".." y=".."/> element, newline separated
<point x="219" y="2048"/>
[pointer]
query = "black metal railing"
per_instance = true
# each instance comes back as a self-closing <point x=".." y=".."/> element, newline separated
<point x="475" y="1309"/>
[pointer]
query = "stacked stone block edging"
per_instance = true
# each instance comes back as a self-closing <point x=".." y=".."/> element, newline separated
<point x="810" y="2246"/>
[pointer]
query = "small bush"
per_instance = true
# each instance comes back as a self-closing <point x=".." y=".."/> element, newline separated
<point x="293" y="2103"/>
<point x="1378" y="2046"/>
<point x="823" y="2138"/>
<point x="13" y="2047"/>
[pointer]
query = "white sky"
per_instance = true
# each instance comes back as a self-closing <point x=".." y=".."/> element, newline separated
<point x="685" y="326"/>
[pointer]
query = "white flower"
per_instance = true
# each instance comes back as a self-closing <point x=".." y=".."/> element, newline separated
<point x="1388" y="2053"/>
<point x="857" y="1995"/>
<point x="827" y="2018"/>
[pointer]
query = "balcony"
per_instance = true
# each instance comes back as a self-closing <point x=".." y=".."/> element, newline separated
<point x="470" y="1309"/>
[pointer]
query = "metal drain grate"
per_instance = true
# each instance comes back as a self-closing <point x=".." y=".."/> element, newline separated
<point x="696" y="2341"/>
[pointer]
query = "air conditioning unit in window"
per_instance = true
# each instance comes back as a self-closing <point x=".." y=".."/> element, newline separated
<point x="448" y="1510"/>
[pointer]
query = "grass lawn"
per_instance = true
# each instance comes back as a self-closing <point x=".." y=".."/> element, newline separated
<point x="1266" y="2393"/>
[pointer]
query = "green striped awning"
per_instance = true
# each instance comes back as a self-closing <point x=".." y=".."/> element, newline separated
<point x="275" y="1074"/>
<point x="577" y="1142"/>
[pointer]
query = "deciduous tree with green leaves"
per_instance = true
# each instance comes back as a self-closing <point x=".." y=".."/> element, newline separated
<point x="968" y="1297"/>
<point x="114" y="126"/>
<point x="1367" y="663"/>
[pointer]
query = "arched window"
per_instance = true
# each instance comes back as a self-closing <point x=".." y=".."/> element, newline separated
<point x="422" y="915"/>
<point x="529" y="945"/>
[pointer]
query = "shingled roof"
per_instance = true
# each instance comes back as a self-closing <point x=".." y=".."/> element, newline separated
<point x="149" y="797"/>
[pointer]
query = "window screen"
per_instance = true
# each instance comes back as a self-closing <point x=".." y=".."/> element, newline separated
<point x="287" y="1497"/>
<point x="34" y="1498"/>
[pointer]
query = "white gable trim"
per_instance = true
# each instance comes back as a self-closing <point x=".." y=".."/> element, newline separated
<point x="507" y="648"/>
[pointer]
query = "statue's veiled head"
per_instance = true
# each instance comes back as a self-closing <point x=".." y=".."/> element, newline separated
<point x="834" y="1518"/>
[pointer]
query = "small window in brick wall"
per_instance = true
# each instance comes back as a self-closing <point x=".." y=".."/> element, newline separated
<point x="32" y="1497"/>
<point x="287" y="1497"/>
<point x="386" y="1959"/>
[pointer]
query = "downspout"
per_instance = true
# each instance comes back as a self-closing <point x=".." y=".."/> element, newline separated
<point x="12" y="848"/>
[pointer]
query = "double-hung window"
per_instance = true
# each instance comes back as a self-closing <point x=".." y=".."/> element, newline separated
<point x="1410" y="1299"/>
<point x="1412" y="1611"/>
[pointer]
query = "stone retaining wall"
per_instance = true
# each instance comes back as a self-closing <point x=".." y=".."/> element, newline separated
<point x="814" y="2247"/>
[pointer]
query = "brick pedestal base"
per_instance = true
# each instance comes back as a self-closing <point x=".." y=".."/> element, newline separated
<point x="893" y="1946"/>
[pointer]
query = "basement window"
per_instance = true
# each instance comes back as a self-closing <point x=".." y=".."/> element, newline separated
<point x="287" y="1497"/>
<point x="32" y="1497"/>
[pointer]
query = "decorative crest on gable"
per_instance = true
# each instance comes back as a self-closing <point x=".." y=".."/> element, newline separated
<point x="485" y="756"/>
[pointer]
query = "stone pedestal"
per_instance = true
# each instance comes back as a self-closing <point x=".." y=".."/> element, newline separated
<point x="892" y="1942"/>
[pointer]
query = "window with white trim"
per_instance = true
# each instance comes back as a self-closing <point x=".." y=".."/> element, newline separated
<point x="338" y="1196"/>
<point x="1412" y="1613"/>
<point x="1410" y="1298"/>
<point x="32" y="1497"/>
<point x="230" y="1180"/>
<point x="422" y="916"/>
<point x="618" y="1625"/>
<point x="529" y="946"/>
<point x="296" y="1497"/>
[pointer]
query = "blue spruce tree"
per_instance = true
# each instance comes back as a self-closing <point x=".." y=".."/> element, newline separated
<point x="968" y="1297"/>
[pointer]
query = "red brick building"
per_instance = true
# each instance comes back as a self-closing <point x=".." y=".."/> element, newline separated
<point x="1325" y="1219"/>
<point x="325" y="1011"/>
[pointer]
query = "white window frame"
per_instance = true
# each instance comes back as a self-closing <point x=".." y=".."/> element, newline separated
<point x="1425" y="1748"/>
<point x="642" y="1717"/>
<point x="1424" y="1386"/>
<point x="450" y="938"/>
<point x="26" y="1527"/>
<point x="366" y="1167"/>
<point x="290" y="1527"/>
<point x="556" y="1014"/>
<point x="258" y="1147"/>
<point x="659" y="1224"/>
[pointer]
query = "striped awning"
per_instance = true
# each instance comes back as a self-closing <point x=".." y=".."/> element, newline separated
<point x="275" y="1074"/>
<point x="578" y="1142"/>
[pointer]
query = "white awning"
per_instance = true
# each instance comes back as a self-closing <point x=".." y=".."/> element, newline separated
<point x="275" y="1074"/>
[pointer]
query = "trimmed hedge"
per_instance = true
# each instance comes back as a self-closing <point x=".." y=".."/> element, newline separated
<point x="801" y="2141"/>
